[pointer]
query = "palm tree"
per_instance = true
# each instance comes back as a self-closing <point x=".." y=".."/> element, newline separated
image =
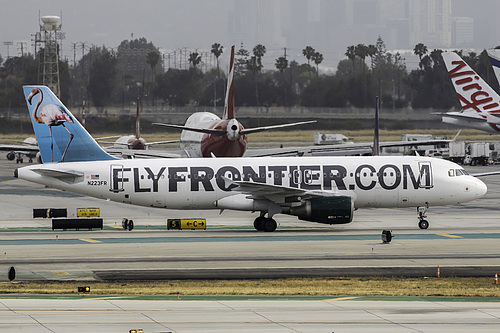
<point x="255" y="66"/>
<point x="217" y="50"/>
<point x="361" y="50"/>
<point x="318" y="59"/>
<point x="308" y="53"/>
<point x="371" y="51"/>
<point x="351" y="55"/>
<point x="282" y="64"/>
<point x="194" y="59"/>
<point x="152" y="59"/>
<point x="420" y="50"/>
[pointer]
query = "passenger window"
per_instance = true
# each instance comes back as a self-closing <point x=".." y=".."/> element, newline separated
<point x="451" y="173"/>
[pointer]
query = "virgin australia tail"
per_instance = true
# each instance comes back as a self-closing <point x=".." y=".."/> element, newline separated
<point x="61" y="138"/>
<point x="480" y="103"/>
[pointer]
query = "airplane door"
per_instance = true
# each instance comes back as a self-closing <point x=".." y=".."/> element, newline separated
<point x="426" y="179"/>
<point x="116" y="176"/>
<point x="296" y="177"/>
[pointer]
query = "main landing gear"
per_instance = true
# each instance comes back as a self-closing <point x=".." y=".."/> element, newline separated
<point x="422" y="222"/>
<point x="267" y="224"/>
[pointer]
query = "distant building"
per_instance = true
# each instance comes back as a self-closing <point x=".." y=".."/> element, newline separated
<point x="430" y="23"/>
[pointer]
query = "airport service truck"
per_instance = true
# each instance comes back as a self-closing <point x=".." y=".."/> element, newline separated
<point x="457" y="152"/>
<point x="478" y="153"/>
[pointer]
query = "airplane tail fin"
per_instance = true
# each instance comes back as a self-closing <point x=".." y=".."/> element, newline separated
<point x="494" y="56"/>
<point x="229" y="103"/>
<point x="475" y="95"/>
<point x="61" y="138"/>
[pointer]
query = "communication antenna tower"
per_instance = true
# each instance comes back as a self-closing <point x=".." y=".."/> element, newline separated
<point x="49" y="59"/>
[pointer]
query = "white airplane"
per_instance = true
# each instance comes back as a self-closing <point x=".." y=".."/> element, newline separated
<point x="28" y="148"/>
<point x="318" y="189"/>
<point x="480" y="103"/>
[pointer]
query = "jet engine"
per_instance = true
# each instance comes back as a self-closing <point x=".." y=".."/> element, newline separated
<point x="328" y="210"/>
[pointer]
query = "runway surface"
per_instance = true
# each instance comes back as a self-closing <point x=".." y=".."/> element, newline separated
<point x="462" y="239"/>
<point x="113" y="314"/>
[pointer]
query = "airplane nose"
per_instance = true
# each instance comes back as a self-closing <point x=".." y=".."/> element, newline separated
<point x="480" y="188"/>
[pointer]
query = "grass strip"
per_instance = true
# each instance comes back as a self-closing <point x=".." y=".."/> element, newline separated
<point x="335" y="286"/>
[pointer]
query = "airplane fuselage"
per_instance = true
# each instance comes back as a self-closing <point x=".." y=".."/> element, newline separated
<point x="200" y="183"/>
<point x="203" y="145"/>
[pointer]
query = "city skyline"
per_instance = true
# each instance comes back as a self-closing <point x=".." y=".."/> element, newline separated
<point x="281" y="25"/>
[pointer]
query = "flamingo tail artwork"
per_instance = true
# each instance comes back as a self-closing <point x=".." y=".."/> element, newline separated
<point x="54" y="124"/>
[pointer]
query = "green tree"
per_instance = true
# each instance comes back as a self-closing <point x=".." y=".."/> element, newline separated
<point x="308" y="52"/>
<point x="254" y="65"/>
<point x="420" y="50"/>
<point x="152" y="59"/>
<point x="217" y="50"/>
<point x="194" y="59"/>
<point x="241" y="61"/>
<point x="351" y="55"/>
<point x="102" y="81"/>
<point x="282" y="64"/>
<point x="318" y="59"/>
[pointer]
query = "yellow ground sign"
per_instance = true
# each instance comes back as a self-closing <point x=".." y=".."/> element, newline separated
<point x="88" y="212"/>
<point x="186" y="224"/>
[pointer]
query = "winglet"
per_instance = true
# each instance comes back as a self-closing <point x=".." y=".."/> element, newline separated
<point x="61" y="138"/>
<point x="229" y="103"/>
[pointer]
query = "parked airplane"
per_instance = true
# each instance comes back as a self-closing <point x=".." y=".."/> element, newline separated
<point x="127" y="145"/>
<point x="28" y="148"/>
<point x="494" y="56"/>
<point x="480" y="103"/>
<point x="207" y="135"/>
<point x="318" y="189"/>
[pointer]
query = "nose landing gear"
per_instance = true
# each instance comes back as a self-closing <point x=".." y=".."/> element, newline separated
<point x="422" y="222"/>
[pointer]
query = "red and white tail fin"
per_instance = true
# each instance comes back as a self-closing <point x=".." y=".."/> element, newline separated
<point x="229" y="103"/>
<point x="475" y="95"/>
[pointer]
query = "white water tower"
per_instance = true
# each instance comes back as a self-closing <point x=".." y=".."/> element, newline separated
<point x="49" y="60"/>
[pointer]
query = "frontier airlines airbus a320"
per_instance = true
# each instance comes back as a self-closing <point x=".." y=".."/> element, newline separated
<point x="317" y="189"/>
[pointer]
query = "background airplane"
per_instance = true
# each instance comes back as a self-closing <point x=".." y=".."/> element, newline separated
<point x="129" y="146"/>
<point x="480" y="103"/>
<point x="206" y="134"/>
<point x="316" y="189"/>
<point x="27" y="148"/>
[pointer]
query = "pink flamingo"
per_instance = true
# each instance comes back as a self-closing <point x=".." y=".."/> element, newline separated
<point x="51" y="115"/>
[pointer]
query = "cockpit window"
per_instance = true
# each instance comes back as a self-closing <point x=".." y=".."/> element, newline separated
<point x="461" y="172"/>
<point x="451" y="173"/>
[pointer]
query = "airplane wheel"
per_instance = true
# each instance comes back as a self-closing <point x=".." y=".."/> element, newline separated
<point x="269" y="225"/>
<point x="258" y="223"/>
<point x="423" y="224"/>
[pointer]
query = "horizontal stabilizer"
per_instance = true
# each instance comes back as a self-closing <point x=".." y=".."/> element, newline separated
<point x="199" y="130"/>
<point x="272" y="127"/>
<point x="58" y="173"/>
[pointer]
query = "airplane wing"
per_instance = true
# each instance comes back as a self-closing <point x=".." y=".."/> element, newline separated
<point x="149" y="153"/>
<point x="351" y="149"/>
<point x="19" y="148"/>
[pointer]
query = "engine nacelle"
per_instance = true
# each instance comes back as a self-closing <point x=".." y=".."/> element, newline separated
<point x="328" y="210"/>
<point x="11" y="156"/>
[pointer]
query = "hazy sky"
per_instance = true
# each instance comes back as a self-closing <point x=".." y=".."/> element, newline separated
<point x="167" y="23"/>
<point x="330" y="26"/>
